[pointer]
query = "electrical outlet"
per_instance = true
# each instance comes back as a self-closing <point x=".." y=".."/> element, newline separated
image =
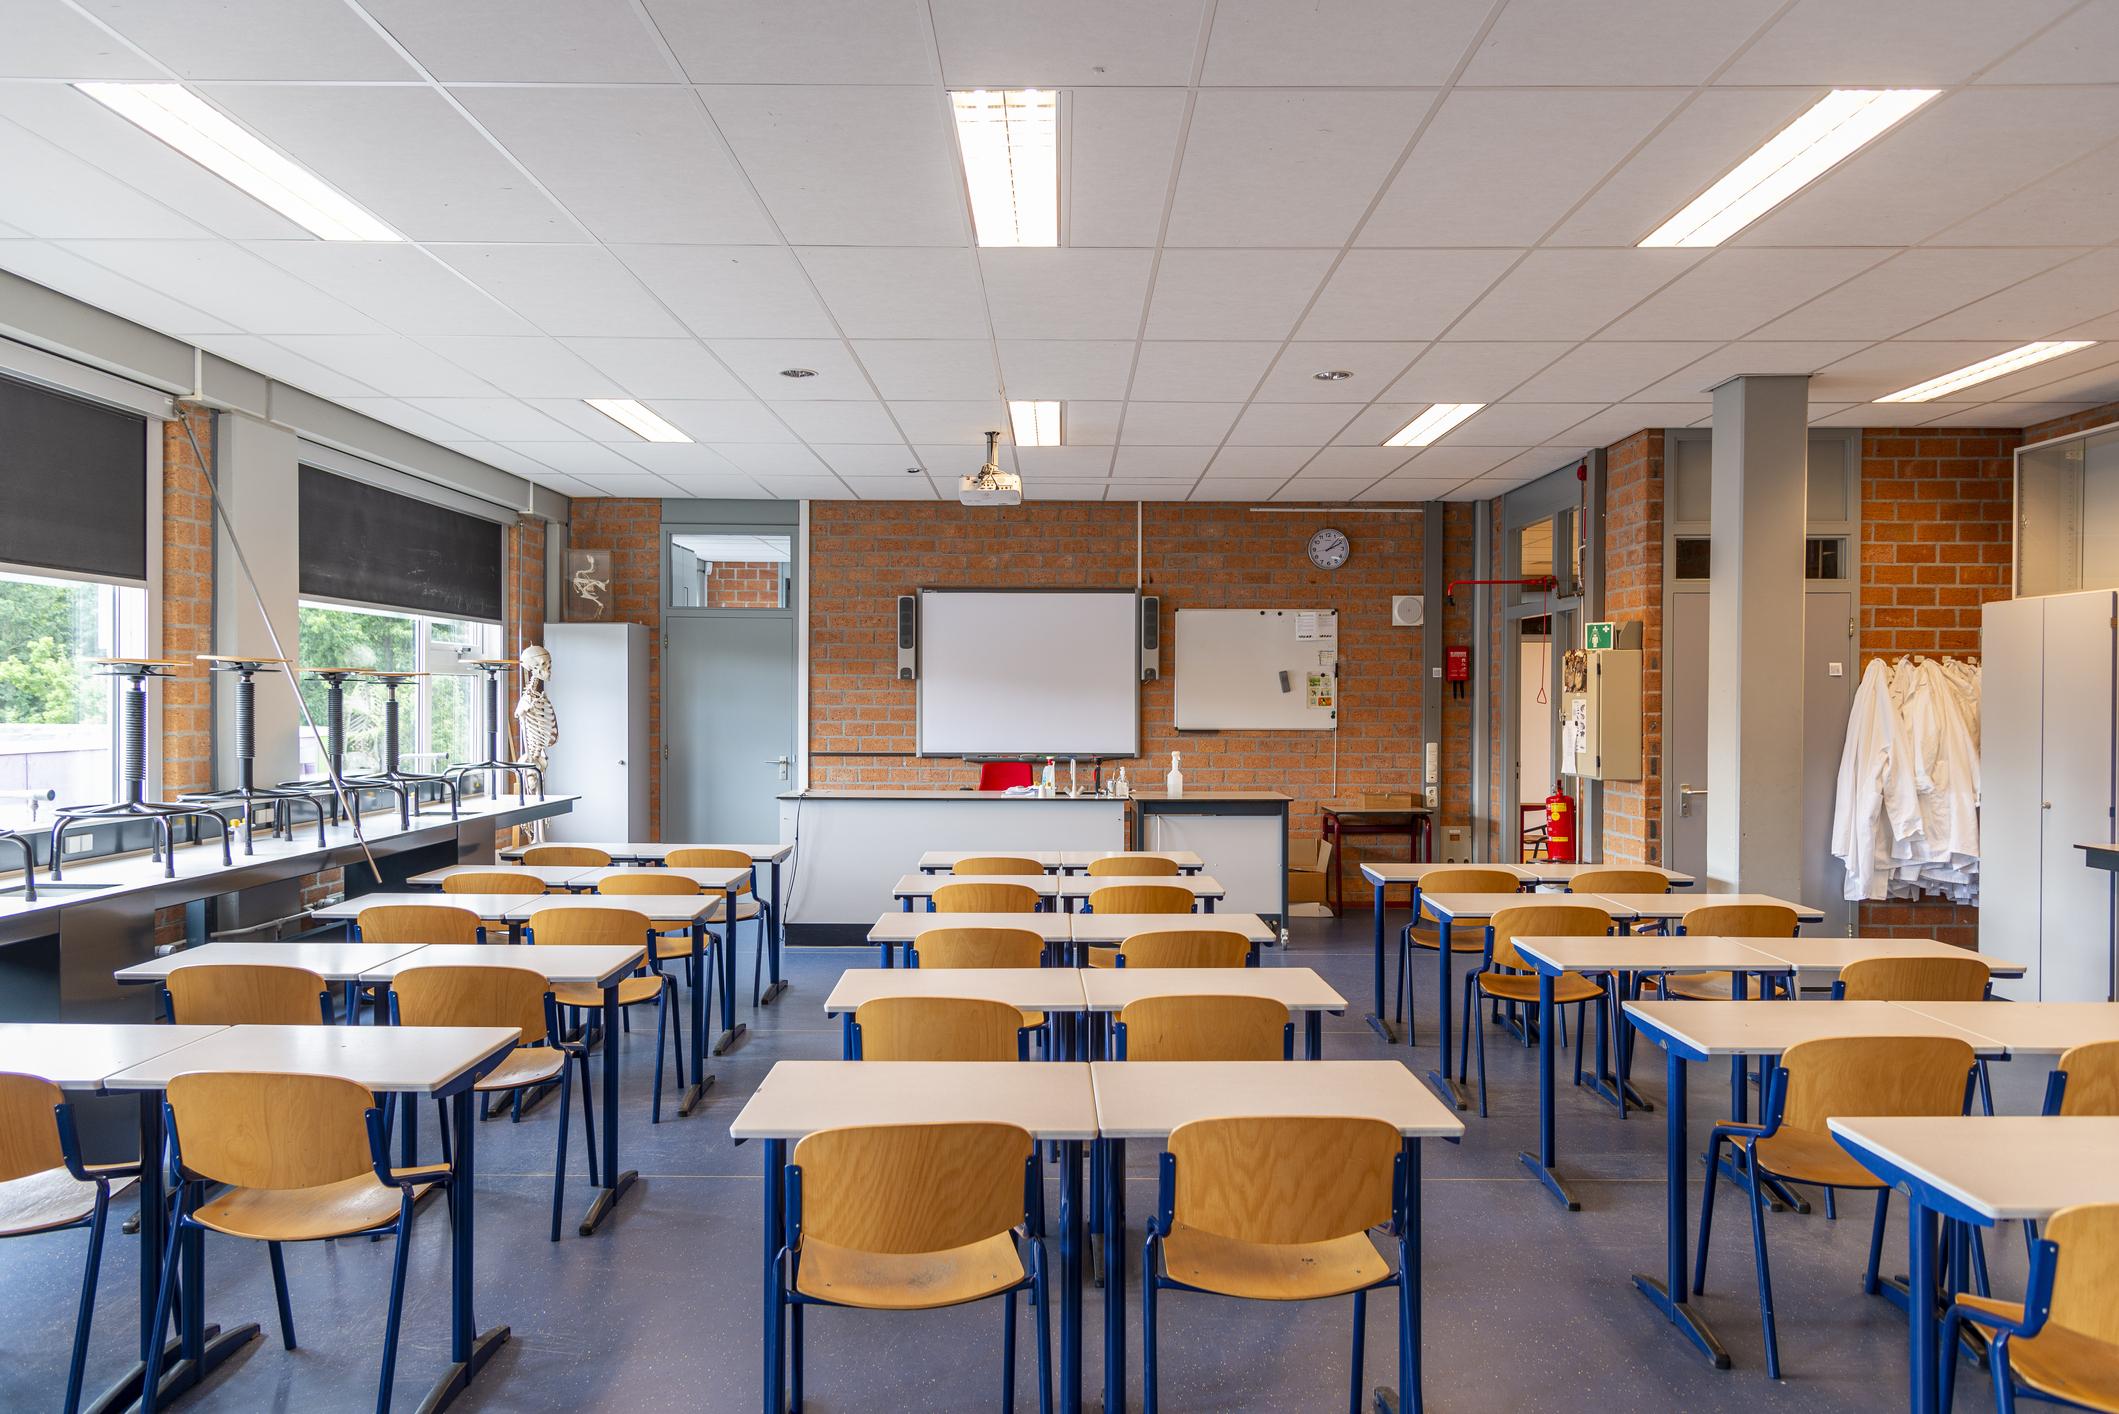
<point x="81" y="843"/>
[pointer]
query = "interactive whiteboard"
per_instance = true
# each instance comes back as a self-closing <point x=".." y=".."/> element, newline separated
<point x="1257" y="669"/>
<point x="1029" y="672"/>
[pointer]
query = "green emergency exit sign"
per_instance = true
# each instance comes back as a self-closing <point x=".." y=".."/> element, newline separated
<point x="1596" y="637"/>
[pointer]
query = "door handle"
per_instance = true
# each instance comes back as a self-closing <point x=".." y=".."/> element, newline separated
<point x="1685" y="795"/>
<point x="783" y="762"/>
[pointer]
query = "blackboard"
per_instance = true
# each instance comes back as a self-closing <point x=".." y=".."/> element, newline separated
<point x="364" y="545"/>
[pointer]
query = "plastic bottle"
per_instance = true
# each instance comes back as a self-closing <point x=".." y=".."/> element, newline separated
<point x="1174" y="783"/>
<point x="1122" y="788"/>
<point x="1049" y="786"/>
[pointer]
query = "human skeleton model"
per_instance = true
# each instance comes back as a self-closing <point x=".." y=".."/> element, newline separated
<point x="536" y="719"/>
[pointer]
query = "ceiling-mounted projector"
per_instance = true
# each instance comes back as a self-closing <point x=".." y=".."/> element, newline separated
<point x="991" y="486"/>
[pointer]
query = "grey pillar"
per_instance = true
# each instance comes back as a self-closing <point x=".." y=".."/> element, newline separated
<point x="1755" y="632"/>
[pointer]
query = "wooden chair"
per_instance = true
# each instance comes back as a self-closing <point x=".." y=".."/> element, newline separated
<point x="2062" y="1342"/>
<point x="913" y="1217"/>
<point x="543" y="854"/>
<point x="1723" y="920"/>
<point x="984" y="947"/>
<point x="985" y="898"/>
<point x="1619" y="881"/>
<point x="247" y="994"/>
<point x="1203" y="1029"/>
<point x="667" y="947"/>
<point x="1141" y="898"/>
<point x="1278" y="1209"/>
<point x="493" y="881"/>
<point x="996" y="864"/>
<point x="1177" y="947"/>
<point x="2085" y="1082"/>
<point x="938" y="1029"/>
<point x="304" y="1158"/>
<point x="1467" y="880"/>
<point x="1913" y="979"/>
<point x="1506" y="976"/>
<point x="44" y="1187"/>
<point x="1815" y="1080"/>
<point x="616" y="927"/>
<point x="504" y="996"/>
<point x="430" y="924"/>
<point x="748" y="905"/>
<point x="1134" y="866"/>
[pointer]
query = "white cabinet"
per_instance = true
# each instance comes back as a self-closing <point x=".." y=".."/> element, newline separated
<point x="599" y="688"/>
<point x="2046" y="785"/>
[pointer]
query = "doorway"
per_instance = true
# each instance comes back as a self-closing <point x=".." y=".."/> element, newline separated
<point x="1541" y="540"/>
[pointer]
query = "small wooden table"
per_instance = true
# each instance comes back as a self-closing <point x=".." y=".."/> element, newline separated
<point x="1340" y="820"/>
<point x="1111" y="989"/>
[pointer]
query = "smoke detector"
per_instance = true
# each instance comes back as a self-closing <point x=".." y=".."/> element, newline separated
<point x="991" y="486"/>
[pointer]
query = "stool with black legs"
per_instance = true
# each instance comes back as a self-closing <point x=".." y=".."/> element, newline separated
<point x="495" y="669"/>
<point x="29" y="866"/>
<point x="136" y="673"/>
<point x="334" y="784"/>
<point x="247" y="794"/>
<point x="407" y="783"/>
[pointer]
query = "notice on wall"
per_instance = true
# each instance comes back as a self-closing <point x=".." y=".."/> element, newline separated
<point x="1574" y="736"/>
<point x="1308" y="626"/>
<point x="1322" y="690"/>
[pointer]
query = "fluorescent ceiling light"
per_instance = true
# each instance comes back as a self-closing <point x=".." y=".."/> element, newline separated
<point x="1010" y="141"/>
<point x="635" y="418"/>
<point x="192" y="126"/>
<point x="1036" y="424"/>
<point x="1836" y="126"/>
<point x="1432" y="425"/>
<point x="1985" y="369"/>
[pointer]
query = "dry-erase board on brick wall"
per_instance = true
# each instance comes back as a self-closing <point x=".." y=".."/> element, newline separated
<point x="1257" y="669"/>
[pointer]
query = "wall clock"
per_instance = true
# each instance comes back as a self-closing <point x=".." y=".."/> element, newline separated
<point x="1329" y="548"/>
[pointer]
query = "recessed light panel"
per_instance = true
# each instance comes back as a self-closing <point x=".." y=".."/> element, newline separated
<point x="1432" y="425"/>
<point x="635" y="418"/>
<point x="1986" y="369"/>
<point x="1036" y="424"/>
<point x="1010" y="141"/>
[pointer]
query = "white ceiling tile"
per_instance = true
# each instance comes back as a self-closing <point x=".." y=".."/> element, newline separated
<point x="1093" y="422"/>
<point x="1385" y="43"/>
<point x="840" y="422"/>
<point x="2077" y="205"/>
<point x="1932" y="44"/>
<point x="847" y="165"/>
<point x="1402" y="294"/>
<point x="1458" y="463"/>
<point x="945" y="462"/>
<point x="396" y="366"/>
<point x="1878" y="414"/>
<point x="1177" y="424"/>
<point x="565" y="485"/>
<point x="659" y="368"/>
<point x="418" y="421"/>
<point x="526" y="41"/>
<point x="1746" y="357"/>
<point x="1909" y="289"/>
<point x="1646" y="42"/>
<point x="901" y="488"/>
<point x="1044" y="490"/>
<point x="1029" y="44"/>
<point x="1409" y="489"/>
<point x="2077" y="50"/>
<point x="631" y="164"/>
<point x="1607" y="372"/>
<point x="1271" y="465"/>
<point x="275" y="40"/>
<point x="1886" y="368"/>
<point x="527" y="368"/>
<point x="1323" y="488"/>
<point x="731" y="292"/>
<point x="269" y="358"/>
<point x="1369" y="462"/>
<point x="228" y="283"/>
<point x="817" y="41"/>
<point x="1067" y="463"/>
<point x="564" y="289"/>
<point x="1066" y="369"/>
<point x="1468" y="372"/>
<point x="947" y="423"/>
<point x="1145" y="462"/>
<point x="493" y="420"/>
<point x="401" y="285"/>
<point x="48" y="39"/>
<point x="676" y="458"/>
<point x="759" y="362"/>
<point x="2002" y="414"/>
<point x="2036" y="308"/>
<point x="1287" y="168"/>
<point x="577" y="458"/>
<point x="642" y="485"/>
<point x="867" y="461"/>
<point x="507" y="459"/>
<point x="580" y="419"/>
<point x="931" y="369"/>
<point x="1066" y="293"/>
<point x="1233" y="294"/>
<point x="764" y="459"/>
<point x="723" y="422"/>
<point x="49" y="192"/>
<point x="1537" y="462"/>
<point x="1178" y="490"/>
<point x="1570" y="293"/>
<point x="1121" y="148"/>
<point x="1374" y="365"/>
<point x="807" y="488"/>
<point x="2087" y="375"/>
<point x="1498" y="168"/>
<point x="1625" y="419"/>
<point x="1200" y="371"/>
<point x="70" y="274"/>
<point x="713" y="486"/>
<point x="1519" y="424"/>
<point x="1735" y="290"/>
<point x="1377" y="424"/>
<point x="361" y="139"/>
<point x="1284" y="424"/>
<point x="914" y="292"/>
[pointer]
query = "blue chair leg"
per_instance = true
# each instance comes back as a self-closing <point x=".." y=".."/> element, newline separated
<point x="1876" y="1241"/>
<point x="1041" y="1294"/>
<point x="85" y="1315"/>
<point x="2004" y="1382"/>
<point x="279" y="1294"/>
<point x="1410" y="1400"/>
<point x="1353" y="1379"/>
<point x="794" y="1347"/>
<point x="588" y="1119"/>
<point x="151" y="1384"/>
<point x="397" y="1304"/>
<point x="1482" y="1056"/>
<point x="1699" y="1252"/>
<point x="1150" y="1395"/>
<point x="559" y="1160"/>
<point x="1765" y="1273"/>
<point x="1980" y="1284"/>
<point x="1008" y="1352"/>
<point x="662" y="1022"/>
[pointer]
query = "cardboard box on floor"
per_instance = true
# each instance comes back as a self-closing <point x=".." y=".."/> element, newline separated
<point x="1309" y="860"/>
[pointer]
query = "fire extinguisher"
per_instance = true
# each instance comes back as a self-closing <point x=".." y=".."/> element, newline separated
<point x="1559" y="826"/>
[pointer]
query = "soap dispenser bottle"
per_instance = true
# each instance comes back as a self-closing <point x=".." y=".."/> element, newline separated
<point x="1174" y="783"/>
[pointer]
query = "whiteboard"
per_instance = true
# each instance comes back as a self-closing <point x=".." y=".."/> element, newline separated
<point x="1029" y="673"/>
<point x="1230" y="663"/>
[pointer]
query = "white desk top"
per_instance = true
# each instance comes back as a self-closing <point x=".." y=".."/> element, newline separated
<point x="1148" y="1099"/>
<point x="1480" y="907"/>
<point x="1083" y="858"/>
<point x="1387" y="872"/>
<point x="1051" y="1099"/>
<point x="2030" y="1028"/>
<point x="649" y="849"/>
<point x="1083" y="885"/>
<point x="659" y="908"/>
<point x="81" y="1055"/>
<point x="1676" y="906"/>
<point x="1547" y="872"/>
<point x="1031" y="988"/>
<point x="1634" y="953"/>
<point x="418" y="1060"/>
<point x="945" y="859"/>
<point x="1830" y="955"/>
<point x="2002" y="1166"/>
<point x="1769" y="1027"/>
<point x="552" y="876"/>
<point x="1296" y="988"/>
<point x="1111" y="928"/>
<point x="924" y="885"/>
<point x="334" y="962"/>
<point x="483" y="905"/>
<point x="903" y="927"/>
<point x="594" y="965"/>
<point x="718" y="880"/>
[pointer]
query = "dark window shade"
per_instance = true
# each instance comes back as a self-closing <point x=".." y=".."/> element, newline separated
<point x="366" y="545"/>
<point x="73" y="484"/>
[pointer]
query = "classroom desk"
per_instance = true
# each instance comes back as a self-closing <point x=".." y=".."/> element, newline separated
<point x="903" y="930"/>
<point x="1060" y="861"/>
<point x="1673" y="908"/>
<point x="1056" y="991"/>
<point x="486" y="908"/>
<point x="1110" y="929"/>
<point x="1979" y="1170"/>
<point x="1381" y="876"/>
<point x="1830" y="956"/>
<point x="439" y="1061"/>
<point x="337" y="963"/>
<point x="1698" y="1031"/>
<point x="1073" y="861"/>
<point x="1139" y="1100"/>
<point x="1055" y="1102"/>
<point x="552" y="876"/>
<point x="2030" y="1028"/>
<point x="81" y="1056"/>
<point x="1545" y="871"/>
<point x="690" y="911"/>
<point x="1450" y="909"/>
<point x="1075" y="889"/>
<point x="912" y="887"/>
<point x="941" y="861"/>
<point x="1110" y="989"/>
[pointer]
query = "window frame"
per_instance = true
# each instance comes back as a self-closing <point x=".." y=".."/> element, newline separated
<point x="420" y="721"/>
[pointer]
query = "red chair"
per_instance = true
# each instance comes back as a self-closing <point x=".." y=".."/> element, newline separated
<point x="1004" y="775"/>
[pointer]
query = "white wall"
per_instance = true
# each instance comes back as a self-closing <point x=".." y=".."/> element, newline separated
<point x="1534" y="719"/>
<point x="259" y="485"/>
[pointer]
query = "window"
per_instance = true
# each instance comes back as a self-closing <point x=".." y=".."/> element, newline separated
<point x="1695" y="557"/>
<point x="731" y="570"/>
<point x="442" y="718"/>
<point x="58" y="717"/>
<point x="1825" y="557"/>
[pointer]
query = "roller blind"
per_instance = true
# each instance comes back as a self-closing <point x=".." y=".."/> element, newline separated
<point x="365" y="545"/>
<point x="73" y="484"/>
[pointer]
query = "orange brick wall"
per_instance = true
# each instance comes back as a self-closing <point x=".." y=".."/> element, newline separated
<point x="2078" y="422"/>
<point x="1457" y="563"/>
<point x="632" y="531"/>
<point x="187" y="606"/>
<point x="1633" y="589"/>
<point x="526" y="610"/>
<point x="744" y="584"/>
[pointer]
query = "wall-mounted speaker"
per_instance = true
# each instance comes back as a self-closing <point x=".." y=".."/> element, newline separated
<point x="908" y="636"/>
<point x="1408" y="610"/>
<point x="1151" y="637"/>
